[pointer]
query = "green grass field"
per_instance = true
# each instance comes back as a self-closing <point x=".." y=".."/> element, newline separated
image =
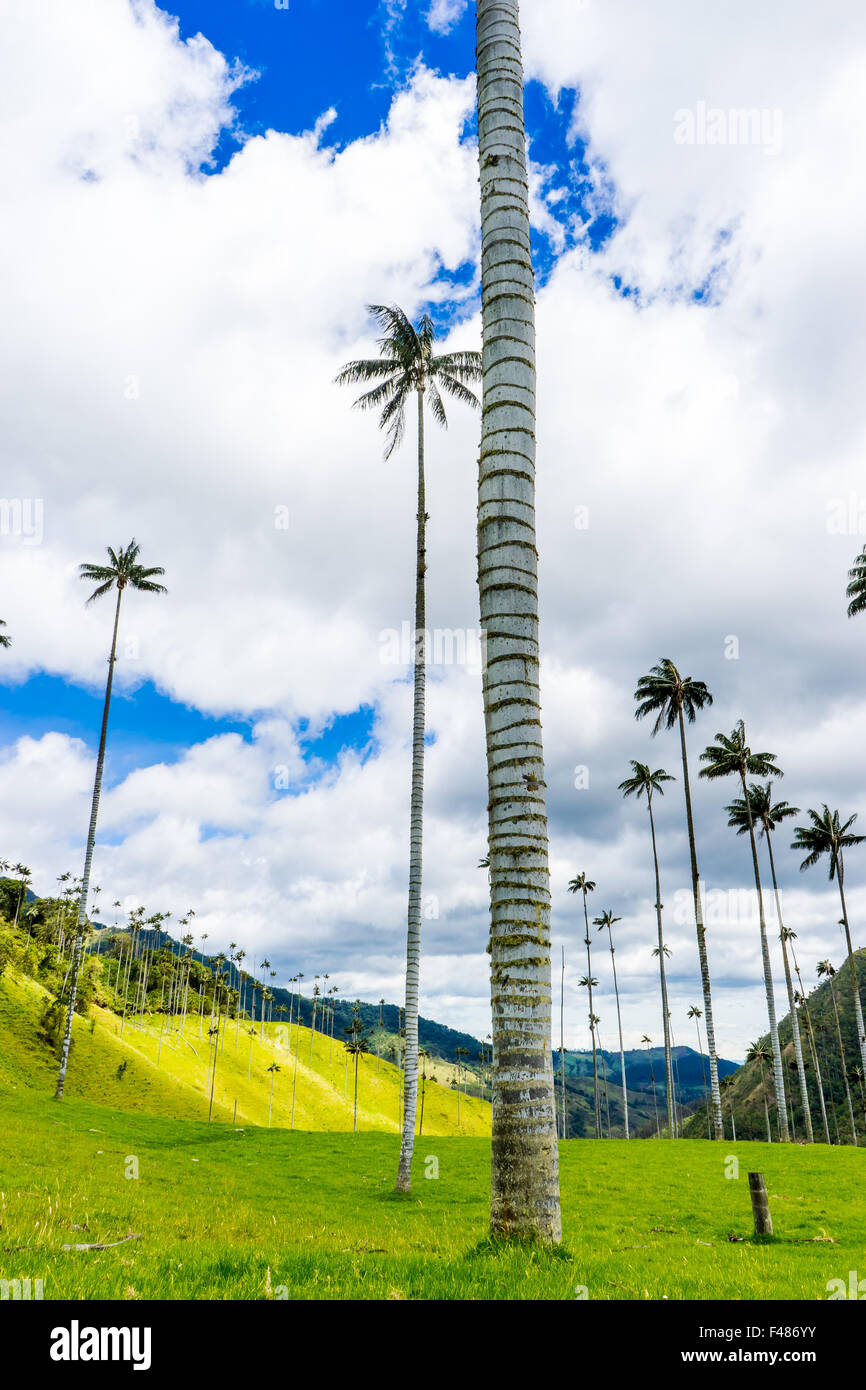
<point x="257" y="1213"/>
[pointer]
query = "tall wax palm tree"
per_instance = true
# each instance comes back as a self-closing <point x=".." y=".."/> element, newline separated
<point x="697" y="1015"/>
<point x="802" y="1003"/>
<point x="648" y="1040"/>
<point x="272" y="1069"/>
<point x="730" y="756"/>
<point x="407" y="366"/>
<point x="605" y="922"/>
<point x="643" y="782"/>
<point x="758" y="1053"/>
<point x="24" y="875"/>
<point x="828" y="971"/>
<point x="584" y="885"/>
<point x="662" y="954"/>
<point x="562" y="1040"/>
<point x="675" y="699"/>
<point x="768" y="814"/>
<point x="827" y="834"/>
<point x="525" y="1167"/>
<point x="123" y="572"/>
<point x="726" y="1085"/>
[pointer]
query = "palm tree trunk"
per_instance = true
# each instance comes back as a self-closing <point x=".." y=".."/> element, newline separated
<point x="562" y="1038"/>
<point x="855" y="983"/>
<point x="621" y="1048"/>
<point x="666" y="1023"/>
<point x="844" y="1063"/>
<point x="655" y="1102"/>
<point x="588" y="944"/>
<point x="703" y="1070"/>
<point x="792" y="1008"/>
<point x="88" y="859"/>
<point x="781" y="1104"/>
<point x="525" y="1160"/>
<point x="813" y="1044"/>
<point x="718" y="1122"/>
<point x="416" y="831"/>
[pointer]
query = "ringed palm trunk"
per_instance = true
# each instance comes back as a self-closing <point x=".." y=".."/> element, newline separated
<point x="621" y="1048"/>
<point x="596" y="1101"/>
<point x="715" y="1093"/>
<point x="88" y="860"/>
<point x="525" y="1161"/>
<point x="778" y="1072"/>
<point x="855" y="983"/>
<point x="666" y="1022"/>
<point x="416" y="832"/>
<point x="789" y="987"/>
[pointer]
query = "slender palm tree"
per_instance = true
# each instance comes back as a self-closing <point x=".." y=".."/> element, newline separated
<point x="768" y="814"/>
<point x="562" y="1039"/>
<point x="407" y="367"/>
<point x="643" y="782"/>
<point x="758" y="1053"/>
<point x="730" y="756"/>
<point x="828" y="971"/>
<point x="663" y="952"/>
<point x="584" y="885"/>
<point x="273" y="1069"/>
<point x="826" y="834"/>
<point x="727" y="1085"/>
<point x="588" y="982"/>
<point x="675" y="699"/>
<point x="5" y="639"/>
<point x="802" y="1004"/>
<point x="525" y="1167"/>
<point x="24" y="875"/>
<point x="124" y="571"/>
<point x="697" y="1015"/>
<point x="605" y="923"/>
<point x="355" y="1048"/>
<point x="646" y="1039"/>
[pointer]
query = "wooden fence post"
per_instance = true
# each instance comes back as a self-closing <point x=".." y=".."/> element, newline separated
<point x="760" y="1205"/>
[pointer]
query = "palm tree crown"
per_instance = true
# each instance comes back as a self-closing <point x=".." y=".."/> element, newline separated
<point x="643" y="781"/>
<point x="730" y="754"/>
<point x="124" y="571"/>
<point x="766" y="813"/>
<point x="664" y="692"/>
<point x="825" y="835"/>
<point x="5" y="641"/>
<point x="407" y="363"/>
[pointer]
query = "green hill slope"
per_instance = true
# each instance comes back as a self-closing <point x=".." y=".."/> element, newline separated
<point x="155" y="1068"/>
<point x="747" y="1089"/>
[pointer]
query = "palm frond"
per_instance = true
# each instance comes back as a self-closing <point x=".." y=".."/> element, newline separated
<point x="455" y="388"/>
<point x="367" y="369"/>
<point x="437" y="409"/>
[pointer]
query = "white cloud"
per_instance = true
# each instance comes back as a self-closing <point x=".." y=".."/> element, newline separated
<point x="444" y="14"/>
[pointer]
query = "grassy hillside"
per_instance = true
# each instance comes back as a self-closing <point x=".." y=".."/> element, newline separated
<point x="168" y="1075"/>
<point x="256" y="1213"/>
